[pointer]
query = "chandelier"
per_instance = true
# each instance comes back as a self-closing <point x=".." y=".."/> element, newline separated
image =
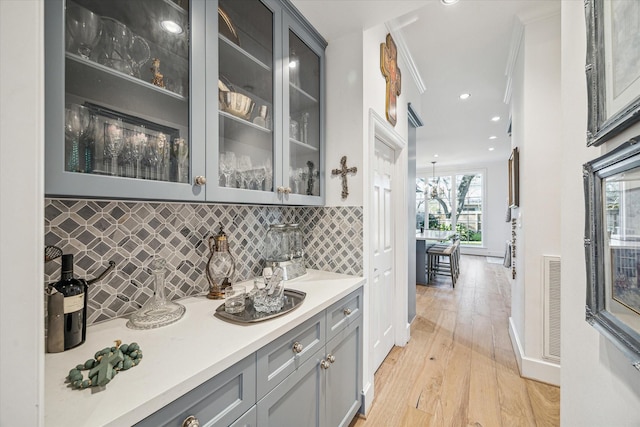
<point x="434" y="184"/>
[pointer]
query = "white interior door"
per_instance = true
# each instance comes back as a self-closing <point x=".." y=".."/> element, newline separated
<point x="382" y="267"/>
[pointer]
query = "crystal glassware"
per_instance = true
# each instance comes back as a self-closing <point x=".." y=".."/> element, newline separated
<point x="157" y="311"/>
<point x="228" y="167"/>
<point x="112" y="145"/>
<point x="83" y="28"/>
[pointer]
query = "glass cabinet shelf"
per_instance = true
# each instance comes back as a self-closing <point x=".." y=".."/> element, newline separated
<point x="88" y="73"/>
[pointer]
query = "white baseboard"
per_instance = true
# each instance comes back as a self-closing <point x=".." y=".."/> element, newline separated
<point x="535" y="369"/>
<point x="367" y="398"/>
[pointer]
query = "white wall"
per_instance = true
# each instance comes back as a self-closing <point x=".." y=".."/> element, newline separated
<point x="599" y="387"/>
<point x="496" y="231"/>
<point x="536" y="127"/>
<point x="344" y="127"/>
<point x="21" y="212"/>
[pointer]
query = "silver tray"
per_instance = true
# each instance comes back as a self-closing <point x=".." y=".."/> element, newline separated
<point x="292" y="300"/>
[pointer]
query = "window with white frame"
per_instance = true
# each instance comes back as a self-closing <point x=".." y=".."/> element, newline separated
<point x="452" y="202"/>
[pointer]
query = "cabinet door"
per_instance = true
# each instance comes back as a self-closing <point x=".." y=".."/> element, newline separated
<point x="242" y="131"/>
<point x="298" y="400"/>
<point x="344" y="375"/>
<point x="285" y="354"/>
<point x="303" y="116"/>
<point x="249" y="419"/>
<point x="217" y="402"/>
<point x="121" y="118"/>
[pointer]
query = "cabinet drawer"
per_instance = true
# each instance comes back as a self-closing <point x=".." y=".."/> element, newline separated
<point x="280" y="358"/>
<point x="218" y="402"/>
<point x="344" y="312"/>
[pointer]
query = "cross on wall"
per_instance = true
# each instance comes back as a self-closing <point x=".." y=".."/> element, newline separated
<point x="343" y="171"/>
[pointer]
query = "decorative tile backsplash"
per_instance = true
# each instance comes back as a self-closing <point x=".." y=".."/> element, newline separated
<point x="131" y="233"/>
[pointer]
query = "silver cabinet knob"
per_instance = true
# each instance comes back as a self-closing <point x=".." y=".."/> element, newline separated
<point x="325" y="365"/>
<point x="297" y="347"/>
<point x="200" y="180"/>
<point x="347" y="311"/>
<point x="191" y="421"/>
<point x="287" y="190"/>
<point x="331" y="358"/>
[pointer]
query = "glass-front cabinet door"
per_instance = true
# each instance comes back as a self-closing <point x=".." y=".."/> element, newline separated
<point x="122" y="118"/>
<point x="303" y="117"/>
<point x="243" y="164"/>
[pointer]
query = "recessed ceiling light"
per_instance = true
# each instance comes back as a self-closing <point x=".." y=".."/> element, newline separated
<point x="495" y="118"/>
<point x="491" y="148"/>
<point x="448" y="2"/>
<point x="171" y="27"/>
<point x="492" y="137"/>
<point x="465" y="96"/>
<point x="435" y="155"/>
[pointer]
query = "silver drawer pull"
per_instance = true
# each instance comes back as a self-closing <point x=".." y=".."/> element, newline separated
<point x="191" y="421"/>
<point x="297" y="347"/>
<point x="325" y="365"/>
<point x="331" y="358"/>
<point x="347" y="311"/>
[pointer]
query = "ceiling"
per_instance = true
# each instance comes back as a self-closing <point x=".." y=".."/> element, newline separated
<point x="461" y="48"/>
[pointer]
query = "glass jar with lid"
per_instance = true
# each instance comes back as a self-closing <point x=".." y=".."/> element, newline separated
<point x="284" y="248"/>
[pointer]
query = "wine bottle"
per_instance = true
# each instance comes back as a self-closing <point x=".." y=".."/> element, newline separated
<point x="74" y="292"/>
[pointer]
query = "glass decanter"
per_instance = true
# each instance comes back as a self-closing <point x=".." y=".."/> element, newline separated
<point x="157" y="311"/>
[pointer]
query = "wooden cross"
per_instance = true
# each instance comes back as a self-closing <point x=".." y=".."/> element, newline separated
<point x="105" y="368"/>
<point x="391" y="73"/>
<point x="343" y="171"/>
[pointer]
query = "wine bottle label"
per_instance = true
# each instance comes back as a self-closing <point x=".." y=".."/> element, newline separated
<point x="73" y="303"/>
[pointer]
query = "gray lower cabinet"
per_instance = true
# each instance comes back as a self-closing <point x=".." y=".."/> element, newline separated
<point x="280" y="358"/>
<point x="305" y="377"/>
<point x="249" y="419"/>
<point x="325" y="389"/>
<point x="299" y="400"/>
<point x="218" y="402"/>
<point x="344" y="375"/>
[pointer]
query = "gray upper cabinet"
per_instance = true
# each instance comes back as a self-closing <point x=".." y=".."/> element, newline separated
<point x="122" y="117"/>
<point x="188" y="100"/>
<point x="269" y="93"/>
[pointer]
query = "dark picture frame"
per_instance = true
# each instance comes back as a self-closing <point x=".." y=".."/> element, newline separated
<point x="514" y="178"/>
<point x="612" y="68"/>
<point x="612" y="246"/>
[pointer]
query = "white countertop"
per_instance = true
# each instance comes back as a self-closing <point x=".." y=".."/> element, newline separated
<point x="177" y="358"/>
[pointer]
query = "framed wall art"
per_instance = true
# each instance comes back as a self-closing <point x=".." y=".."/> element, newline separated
<point x="613" y="67"/>
<point x="612" y="246"/>
<point x="514" y="178"/>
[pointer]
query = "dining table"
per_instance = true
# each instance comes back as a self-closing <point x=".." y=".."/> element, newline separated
<point x="424" y="241"/>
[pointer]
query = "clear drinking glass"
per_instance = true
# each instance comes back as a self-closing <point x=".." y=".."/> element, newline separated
<point x="112" y="145"/>
<point x="228" y="166"/>
<point x="157" y="311"/>
<point x="84" y="28"/>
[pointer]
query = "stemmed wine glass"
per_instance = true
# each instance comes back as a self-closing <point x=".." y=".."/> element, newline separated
<point x="150" y="159"/>
<point x="182" y="156"/>
<point x="112" y="146"/>
<point x="259" y="175"/>
<point x="77" y="126"/>
<point x="84" y="27"/>
<point x="244" y="167"/>
<point x="227" y="167"/>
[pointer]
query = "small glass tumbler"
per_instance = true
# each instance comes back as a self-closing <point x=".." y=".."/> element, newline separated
<point x="234" y="299"/>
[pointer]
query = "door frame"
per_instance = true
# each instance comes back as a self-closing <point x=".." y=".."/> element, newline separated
<point x="378" y="128"/>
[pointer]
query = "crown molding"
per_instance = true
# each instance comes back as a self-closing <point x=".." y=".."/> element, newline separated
<point x="514" y="49"/>
<point x="406" y="57"/>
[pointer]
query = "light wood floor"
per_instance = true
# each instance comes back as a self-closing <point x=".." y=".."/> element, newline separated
<point x="459" y="368"/>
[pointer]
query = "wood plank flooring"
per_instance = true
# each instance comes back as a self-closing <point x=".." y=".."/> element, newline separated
<point x="459" y="369"/>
